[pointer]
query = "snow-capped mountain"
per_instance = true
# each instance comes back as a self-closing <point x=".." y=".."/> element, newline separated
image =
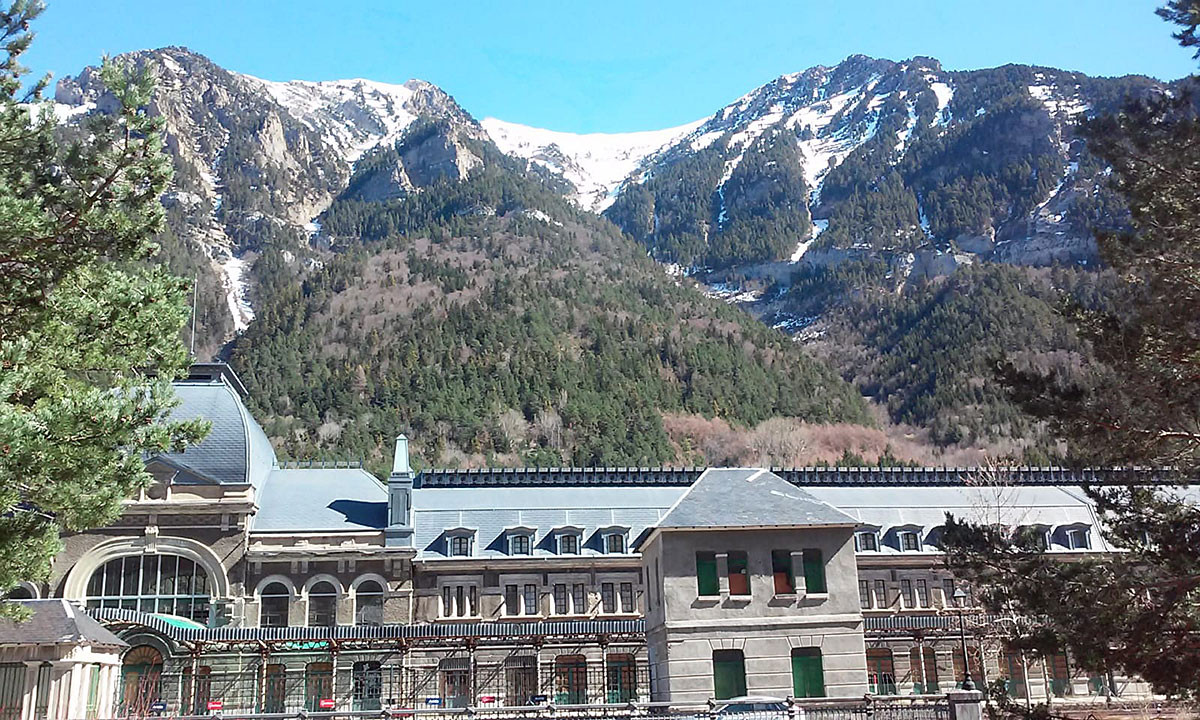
<point x="595" y="163"/>
<point x="875" y="156"/>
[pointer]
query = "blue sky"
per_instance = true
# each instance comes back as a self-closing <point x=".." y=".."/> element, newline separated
<point x="608" y="66"/>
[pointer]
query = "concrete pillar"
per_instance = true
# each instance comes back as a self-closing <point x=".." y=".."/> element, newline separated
<point x="965" y="704"/>
<point x="723" y="572"/>
<point x="798" y="572"/>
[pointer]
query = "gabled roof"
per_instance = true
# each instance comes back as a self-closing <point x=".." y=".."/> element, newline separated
<point x="749" y="498"/>
<point x="56" y="622"/>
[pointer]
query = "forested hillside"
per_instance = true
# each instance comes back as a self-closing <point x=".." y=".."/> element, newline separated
<point x="494" y="322"/>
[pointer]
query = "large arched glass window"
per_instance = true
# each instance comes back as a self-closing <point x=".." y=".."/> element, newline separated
<point x="368" y="603"/>
<point x="152" y="583"/>
<point x="322" y="605"/>
<point x="275" y="600"/>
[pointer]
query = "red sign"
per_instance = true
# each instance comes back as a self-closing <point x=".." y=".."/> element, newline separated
<point x="325" y="704"/>
<point x="486" y="699"/>
<point x="216" y="704"/>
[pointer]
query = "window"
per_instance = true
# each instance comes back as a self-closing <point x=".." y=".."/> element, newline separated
<point x="614" y="543"/>
<point x="1077" y="539"/>
<point x="195" y="697"/>
<point x="881" y="594"/>
<point x="620" y="679"/>
<point x="864" y="594"/>
<point x="866" y="541"/>
<point x="366" y="683"/>
<point x="460" y="545"/>
<point x="729" y="674"/>
<point x="531" y="599"/>
<point x="909" y="541"/>
<point x="906" y="593"/>
<point x="881" y="672"/>
<point x="579" y="599"/>
<point x="924" y="675"/>
<point x="808" y="674"/>
<point x="512" y="600"/>
<point x="922" y="594"/>
<point x="814" y="572"/>
<point x="318" y="684"/>
<point x="368" y="603"/>
<point x="518" y="544"/>
<point x="627" y="597"/>
<point x="322" y="605"/>
<point x="460" y="600"/>
<point x="447" y="601"/>
<point x="957" y="661"/>
<point x="570" y="680"/>
<point x="707" y="583"/>
<point x="560" y="600"/>
<point x="568" y="543"/>
<point x="608" y="598"/>
<point x="739" y="576"/>
<point x="166" y="584"/>
<point x="276" y="688"/>
<point x="1060" y="675"/>
<point x="275" y="600"/>
<point x="520" y="679"/>
<point x="948" y="592"/>
<point x="1012" y="669"/>
<point x="781" y="571"/>
<point x="12" y="688"/>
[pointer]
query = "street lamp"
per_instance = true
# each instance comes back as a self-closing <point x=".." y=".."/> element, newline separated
<point x="960" y="597"/>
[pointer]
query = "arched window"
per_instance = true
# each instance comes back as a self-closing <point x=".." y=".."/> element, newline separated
<point x="152" y="583"/>
<point x="141" y="673"/>
<point x="368" y="603"/>
<point x="275" y="601"/>
<point x="322" y="605"/>
<point x="196" y="691"/>
<point x="19" y="592"/>
<point x="367" y="685"/>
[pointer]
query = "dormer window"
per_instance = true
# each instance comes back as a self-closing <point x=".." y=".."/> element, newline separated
<point x="910" y="541"/>
<point x="568" y="543"/>
<point x="866" y="541"/>
<point x="458" y="542"/>
<point x="1078" y="538"/>
<point x="614" y="543"/>
<point x="520" y="540"/>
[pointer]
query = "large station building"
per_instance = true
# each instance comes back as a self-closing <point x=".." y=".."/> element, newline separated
<point x="241" y="582"/>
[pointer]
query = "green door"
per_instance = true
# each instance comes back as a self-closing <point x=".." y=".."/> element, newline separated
<point x="808" y="675"/>
<point x="729" y="674"/>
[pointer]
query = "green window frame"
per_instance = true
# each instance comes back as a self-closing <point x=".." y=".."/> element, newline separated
<point x="814" y="572"/>
<point x="783" y="572"/>
<point x="707" y="582"/>
<point x="729" y="674"/>
<point x="808" y="673"/>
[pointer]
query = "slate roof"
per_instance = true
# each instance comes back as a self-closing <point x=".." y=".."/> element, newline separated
<point x="749" y="497"/>
<point x="805" y="476"/>
<point x="236" y="450"/>
<point x="320" y="499"/>
<point x="56" y="622"/>
<point x="491" y="512"/>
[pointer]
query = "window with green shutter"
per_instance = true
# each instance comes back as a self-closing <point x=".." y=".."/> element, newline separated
<point x="781" y="569"/>
<point x="729" y="674"/>
<point x="808" y="674"/>
<point x="706" y="574"/>
<point x="814" y="572"/>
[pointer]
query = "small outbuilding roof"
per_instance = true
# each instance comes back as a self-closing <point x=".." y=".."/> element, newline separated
<point x="56" y="622"/>
<point x="749" y="497"/>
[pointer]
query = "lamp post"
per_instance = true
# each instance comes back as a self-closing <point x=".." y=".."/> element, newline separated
<point x="960" y="597"/>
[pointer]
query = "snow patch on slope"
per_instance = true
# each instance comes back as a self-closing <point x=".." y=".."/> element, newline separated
<point x="595" y="163"/>
<point x="352" y="116"/>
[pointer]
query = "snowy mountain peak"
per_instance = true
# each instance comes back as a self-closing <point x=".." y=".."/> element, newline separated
<point x="595" y="163"/>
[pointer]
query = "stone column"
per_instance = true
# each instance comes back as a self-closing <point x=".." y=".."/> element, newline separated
<point x="723" y="573"/>
<point x="965" y="704"/>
